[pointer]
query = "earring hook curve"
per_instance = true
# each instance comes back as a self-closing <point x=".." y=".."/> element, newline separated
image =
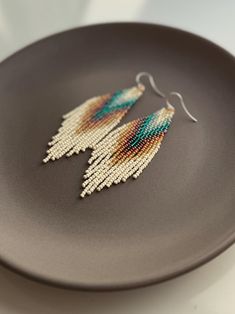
<point x="151" y="81"/>
<point x="182" y="104"/>
<point x="163" y="95"/>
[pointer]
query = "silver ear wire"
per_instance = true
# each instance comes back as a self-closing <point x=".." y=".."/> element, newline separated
<point x="163" y="95"/>
<point x="182" y="104"/>
<point x="151" y="81"/>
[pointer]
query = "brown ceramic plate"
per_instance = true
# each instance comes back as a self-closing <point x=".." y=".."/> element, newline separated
<point x="180" y="212"/>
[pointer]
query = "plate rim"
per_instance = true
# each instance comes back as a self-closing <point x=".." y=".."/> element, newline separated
<point x="94" y="287"/>
<point x="214" y="252"/>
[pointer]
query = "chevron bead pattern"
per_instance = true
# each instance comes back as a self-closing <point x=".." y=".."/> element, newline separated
<point x="126" y="151"/>
<point x="87" y="124"/>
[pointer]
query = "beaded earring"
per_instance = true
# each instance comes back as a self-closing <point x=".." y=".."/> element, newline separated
<point x="128" y="150"/>
<point x="86" y="125"/>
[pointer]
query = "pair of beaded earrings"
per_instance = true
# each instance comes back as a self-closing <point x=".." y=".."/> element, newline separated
<point x="125" y="151"/>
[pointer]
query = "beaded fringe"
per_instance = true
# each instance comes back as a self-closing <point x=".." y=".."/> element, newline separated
<point x="126" y="151"/>
<point x="87" y="124"/>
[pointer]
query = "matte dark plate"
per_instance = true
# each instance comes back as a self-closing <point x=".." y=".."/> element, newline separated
<point x="178" y="214"/>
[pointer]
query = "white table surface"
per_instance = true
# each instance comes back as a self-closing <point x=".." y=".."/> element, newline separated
<point x="207" y="290"/>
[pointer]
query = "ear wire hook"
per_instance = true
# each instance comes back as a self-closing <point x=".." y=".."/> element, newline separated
<point x="182" y="104"/>
<point x="151" y="81"/>
<point x="161" y="94"/>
